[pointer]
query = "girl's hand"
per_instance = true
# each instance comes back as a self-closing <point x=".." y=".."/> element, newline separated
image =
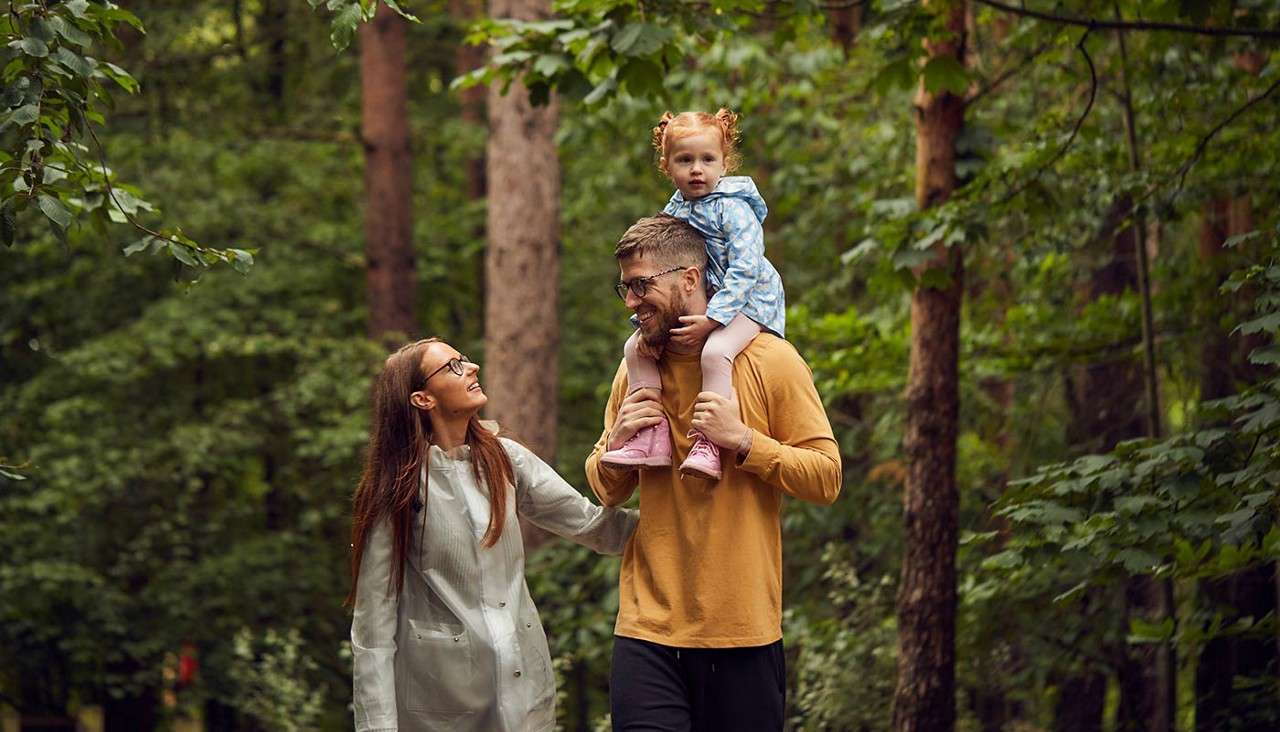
<point x="695" y="330"/>
<point x="644" y="350"/>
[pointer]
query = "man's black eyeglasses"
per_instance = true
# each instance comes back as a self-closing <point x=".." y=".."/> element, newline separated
<point x="639" y="286"/>
<point x="456" y="365"/>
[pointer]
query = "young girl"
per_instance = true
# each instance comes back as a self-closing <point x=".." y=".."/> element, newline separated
<point x="696" y="150"/>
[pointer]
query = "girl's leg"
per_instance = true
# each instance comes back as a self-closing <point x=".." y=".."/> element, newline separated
<point x="722" y="346"/>
<point x="642" y="373"/>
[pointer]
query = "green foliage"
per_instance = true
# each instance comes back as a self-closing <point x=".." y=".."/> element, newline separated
<point x="272" y="675"/>
<point x="50" y="155"/>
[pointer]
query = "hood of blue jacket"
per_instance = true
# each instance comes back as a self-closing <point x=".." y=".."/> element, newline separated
<point x="734" y="186"/>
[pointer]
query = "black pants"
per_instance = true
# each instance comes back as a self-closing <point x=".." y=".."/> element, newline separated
<point x="660" y="688"/>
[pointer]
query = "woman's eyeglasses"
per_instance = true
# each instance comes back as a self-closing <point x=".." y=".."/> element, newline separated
<point x="456" y="365"/>
<point x="639" y="286"/>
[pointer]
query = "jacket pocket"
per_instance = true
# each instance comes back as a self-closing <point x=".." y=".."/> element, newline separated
<point x="438" y="668"/>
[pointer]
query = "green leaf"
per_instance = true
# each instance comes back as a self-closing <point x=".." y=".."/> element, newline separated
<point x="945" y="73"/>
<point x="344" y="25"/>
<point x="77" y="7"/>
<point x="243" y="260"/>
<point x="183" y="254"/>
<point x="1269" y="323"/>
<point x="640" y="39"/>
<point x="642" y="78"/>
<point x="401" y="11"/>
<point x="71" y="32"/>
<point x="56" y="212"/>
<point x="1266" y="356"/>
<point x="549" y="64"/>
<point x="138" y="245"/>
<point x="25" y="114"/>
<point x="32" y="47"/>
<point x="602" y="90"/>
<point x="75" y="63"/>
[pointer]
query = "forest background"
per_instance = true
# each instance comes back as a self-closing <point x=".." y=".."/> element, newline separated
<point x="1030" y="254"/>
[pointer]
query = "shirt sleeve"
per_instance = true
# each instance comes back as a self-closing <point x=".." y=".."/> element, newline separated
<point x="744" y="247"/>
<point x="612" y="487"/>
<point x="373" y="636"/>
<point x="800" y="455"/>
<point x="547" y="500"/>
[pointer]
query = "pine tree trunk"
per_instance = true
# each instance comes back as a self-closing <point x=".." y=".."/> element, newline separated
<point x="522" y="265"/>
<point x="390" y="275"/>
<point x="924" y="700"/>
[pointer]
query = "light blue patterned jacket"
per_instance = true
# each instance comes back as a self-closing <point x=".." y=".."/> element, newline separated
<point x="743" y="280"/>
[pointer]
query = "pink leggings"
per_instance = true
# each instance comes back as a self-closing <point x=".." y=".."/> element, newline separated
<point x="722" y="346"/>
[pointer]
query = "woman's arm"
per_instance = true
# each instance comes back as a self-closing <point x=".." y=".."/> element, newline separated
<point x="544" y="498"/>
<point x="373" y="637"/>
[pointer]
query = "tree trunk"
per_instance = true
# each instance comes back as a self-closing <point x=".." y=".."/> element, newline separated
<point x="391" y="276"/>
<point x="522" y="266"/>
<point x="924" y="699"/>
<point x="1080" y="703"/>
<point x="1251" y="592"/>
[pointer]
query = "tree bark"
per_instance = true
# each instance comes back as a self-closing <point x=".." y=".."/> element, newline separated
<point x="924" y="699"/>
<point x="390" y="275"/>
<point x="522" y="263"/>
<point x="1251" y="592"/>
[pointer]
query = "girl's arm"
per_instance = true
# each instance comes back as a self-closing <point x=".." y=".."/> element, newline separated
<point x="373" y="637"/>
<point x="544" y="498"/>
<point x="744" y="240"/>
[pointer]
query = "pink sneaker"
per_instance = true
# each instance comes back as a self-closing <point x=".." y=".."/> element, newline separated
<point x="650" y="448"/>
<point x="703" y="460"/>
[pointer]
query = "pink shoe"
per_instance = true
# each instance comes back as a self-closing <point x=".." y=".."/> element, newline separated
<point x="650" y="448"/>
<point x="703" y="460"/>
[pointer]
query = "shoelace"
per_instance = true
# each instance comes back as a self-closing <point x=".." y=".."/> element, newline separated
<point x="704" y="447"/>
<point x="634" y="438"/>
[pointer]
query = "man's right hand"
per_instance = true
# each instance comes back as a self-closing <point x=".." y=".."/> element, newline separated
<point x="639" y="410"/>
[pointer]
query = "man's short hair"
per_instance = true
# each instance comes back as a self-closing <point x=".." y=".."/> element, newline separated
<point x="670" y="241"/>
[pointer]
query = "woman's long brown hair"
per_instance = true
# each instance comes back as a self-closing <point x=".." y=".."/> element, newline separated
<point x="399" y="441"/>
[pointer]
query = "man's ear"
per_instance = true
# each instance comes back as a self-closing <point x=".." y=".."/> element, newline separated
<point x="422" y="400"/>
<point x="692" y="278"/>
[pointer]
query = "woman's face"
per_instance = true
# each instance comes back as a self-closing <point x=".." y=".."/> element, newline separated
<point x="446" y="393"/>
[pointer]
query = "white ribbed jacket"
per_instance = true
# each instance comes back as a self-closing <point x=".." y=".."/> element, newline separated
<point x="461" y="648"/>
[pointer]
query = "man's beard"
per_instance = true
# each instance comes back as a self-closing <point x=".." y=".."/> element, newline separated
<point x="665" y="319"/>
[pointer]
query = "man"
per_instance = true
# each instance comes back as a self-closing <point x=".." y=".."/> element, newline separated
<point x="699" y="632"/>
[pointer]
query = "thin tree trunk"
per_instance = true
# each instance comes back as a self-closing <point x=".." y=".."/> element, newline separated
<point x="390" y="276"/>
<point x="924" y="699"/>
<point x="522" y="267"/>
<point x="1149" y="679"/>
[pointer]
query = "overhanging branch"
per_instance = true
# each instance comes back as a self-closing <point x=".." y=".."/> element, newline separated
<point x="1132" y="25"/>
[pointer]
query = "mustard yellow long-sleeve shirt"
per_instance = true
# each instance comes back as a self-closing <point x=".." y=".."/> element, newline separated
<point x="704" y="568"/>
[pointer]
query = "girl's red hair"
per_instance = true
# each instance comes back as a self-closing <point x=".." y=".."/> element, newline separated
<point x="674" y="126"/>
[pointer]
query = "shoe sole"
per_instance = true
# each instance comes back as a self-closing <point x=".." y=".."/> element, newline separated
<point x="690" y="472"/>
<point x="637" y="463"/>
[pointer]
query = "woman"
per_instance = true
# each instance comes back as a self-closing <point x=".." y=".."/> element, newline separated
<point x="445" y="635"/>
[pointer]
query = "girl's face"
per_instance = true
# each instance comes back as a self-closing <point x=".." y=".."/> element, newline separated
<point x="448" y="393"/>
<point x="696" y="163"/>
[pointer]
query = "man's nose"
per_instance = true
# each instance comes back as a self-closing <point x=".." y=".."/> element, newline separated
<point x="631" y="300"/>
<point x="471" y="367"/>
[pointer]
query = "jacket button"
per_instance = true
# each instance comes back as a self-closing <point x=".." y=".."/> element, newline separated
<point x="528" y="625"/>
<point x="457" y="639"/>
<point x="517" y="674"/>
<point x="502" y="604"/>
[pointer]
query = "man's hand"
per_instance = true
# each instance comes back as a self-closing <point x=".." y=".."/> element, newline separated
<point x="717" y="418"/>
<point x="639" y="410"/>
<point x="695" y="330"/>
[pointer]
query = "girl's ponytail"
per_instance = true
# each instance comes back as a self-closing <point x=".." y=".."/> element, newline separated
<point x="660" y="138"/>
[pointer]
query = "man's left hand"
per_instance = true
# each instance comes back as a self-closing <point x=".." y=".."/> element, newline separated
<point x="716" y="417"/>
